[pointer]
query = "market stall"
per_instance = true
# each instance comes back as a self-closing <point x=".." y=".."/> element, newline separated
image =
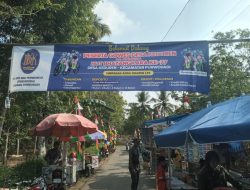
<point x="152" y="128"/>
<point x="65" y="126"/>
<point x="220" y="123"/>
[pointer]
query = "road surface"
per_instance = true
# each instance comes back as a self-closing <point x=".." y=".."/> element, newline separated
<point x="114" y="175"/>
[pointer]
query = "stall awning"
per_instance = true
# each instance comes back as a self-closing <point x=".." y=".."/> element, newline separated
<point x="228" y="121"/>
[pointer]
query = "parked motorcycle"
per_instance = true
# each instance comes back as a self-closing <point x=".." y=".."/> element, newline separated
<point x="40" y="183"/>
<point x="57" y="179"/>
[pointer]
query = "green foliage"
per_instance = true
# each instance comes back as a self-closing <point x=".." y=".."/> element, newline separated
<point x="5" y="174"/>
<point x="230" y="66"/>
<point x="5" y="54"/>
<point x="162" y="105"/>
<point x="113" y="100"/>
<point x="144" y="111"/>
<point x="28" y="170"/>
<point x="138" y="113"/>
<point x="132" y="122"/>
<point x="34" y="22"/>
<point x="39" y="21"/>
<point x="25" y="171"/>
<point x="91" y="149"/>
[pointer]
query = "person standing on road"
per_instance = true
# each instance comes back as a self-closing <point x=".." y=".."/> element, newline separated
<point x="134" y="164"/>
<point x="161" y="174"/>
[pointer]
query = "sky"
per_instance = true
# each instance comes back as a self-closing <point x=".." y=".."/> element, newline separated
<point x="143" y="21"/>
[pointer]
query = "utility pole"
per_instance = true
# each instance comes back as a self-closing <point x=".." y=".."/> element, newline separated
<point x="6" y="106"/>
<point x="2" y="121"/>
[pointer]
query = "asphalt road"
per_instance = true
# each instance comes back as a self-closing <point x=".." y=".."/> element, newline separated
<point x="114" y="175"/>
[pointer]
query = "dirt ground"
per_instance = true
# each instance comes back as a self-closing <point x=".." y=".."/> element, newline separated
<point x="113" y="174"/>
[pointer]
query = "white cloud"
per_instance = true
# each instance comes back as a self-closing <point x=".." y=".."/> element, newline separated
<point x="118" y="22"/>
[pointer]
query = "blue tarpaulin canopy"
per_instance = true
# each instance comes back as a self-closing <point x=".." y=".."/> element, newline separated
<point x="147" y="131"/>
<point x="165" y="120"/>
<point x="228" y="121"/>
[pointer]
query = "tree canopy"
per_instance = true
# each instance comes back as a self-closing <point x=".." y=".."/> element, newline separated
<point x="44" y="22"/>
<point x="61" y="21"/>
<point x="230" y="64"/>
<point x="229" y="77"/>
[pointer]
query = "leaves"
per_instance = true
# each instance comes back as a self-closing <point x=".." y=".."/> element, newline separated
<point x="230" y="66"/>
<point x="44" y="21"/>
<point x="163" y="107"/>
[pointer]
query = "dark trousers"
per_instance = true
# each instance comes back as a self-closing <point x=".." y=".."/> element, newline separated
<point x="135" y="180"/>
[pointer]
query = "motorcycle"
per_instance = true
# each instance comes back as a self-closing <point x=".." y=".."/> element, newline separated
<point x="57" y="179"/>
<point x="40" y="183"/>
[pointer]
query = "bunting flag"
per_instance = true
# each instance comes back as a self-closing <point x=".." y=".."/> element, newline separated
<point x="97" y="146"/>
<point x="102" y="123"/>
<point x="89" y="110"/>
<point x="79" y="108"/>
<point x="96" y="119"/>
<point x="186" y="102"/>
<point x="76" y="100"/>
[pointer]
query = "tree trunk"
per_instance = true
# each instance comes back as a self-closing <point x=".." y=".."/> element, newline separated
<point x="18" y="141"/>
<point x="34" y="151"/>
<point x="2" y="121"/>
<point x="41" y="146"/>
<point x="6" y="148"/>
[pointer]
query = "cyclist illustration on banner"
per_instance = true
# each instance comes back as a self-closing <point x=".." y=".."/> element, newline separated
<point x="193" y="60"/>
<point x="67" y="62"/>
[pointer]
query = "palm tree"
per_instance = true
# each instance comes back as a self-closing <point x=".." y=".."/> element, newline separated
<point x="144" y="109"/>
<point x="99" y="30"/>
<point x="163" y="106"/>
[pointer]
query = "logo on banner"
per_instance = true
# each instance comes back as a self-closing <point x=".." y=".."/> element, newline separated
<point x="30" y="61"/>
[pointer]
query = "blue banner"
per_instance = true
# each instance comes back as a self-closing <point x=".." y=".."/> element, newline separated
<point x="171" y="66"/>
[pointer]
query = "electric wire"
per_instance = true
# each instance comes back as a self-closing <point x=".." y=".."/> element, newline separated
<point x="237" y="16"/>
<point x="178" y="16"/>
<point x="223" y="18"/>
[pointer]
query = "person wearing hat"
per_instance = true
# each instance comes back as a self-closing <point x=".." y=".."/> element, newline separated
<point x="134" y="164"/>
<point x="213" y="176"/>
